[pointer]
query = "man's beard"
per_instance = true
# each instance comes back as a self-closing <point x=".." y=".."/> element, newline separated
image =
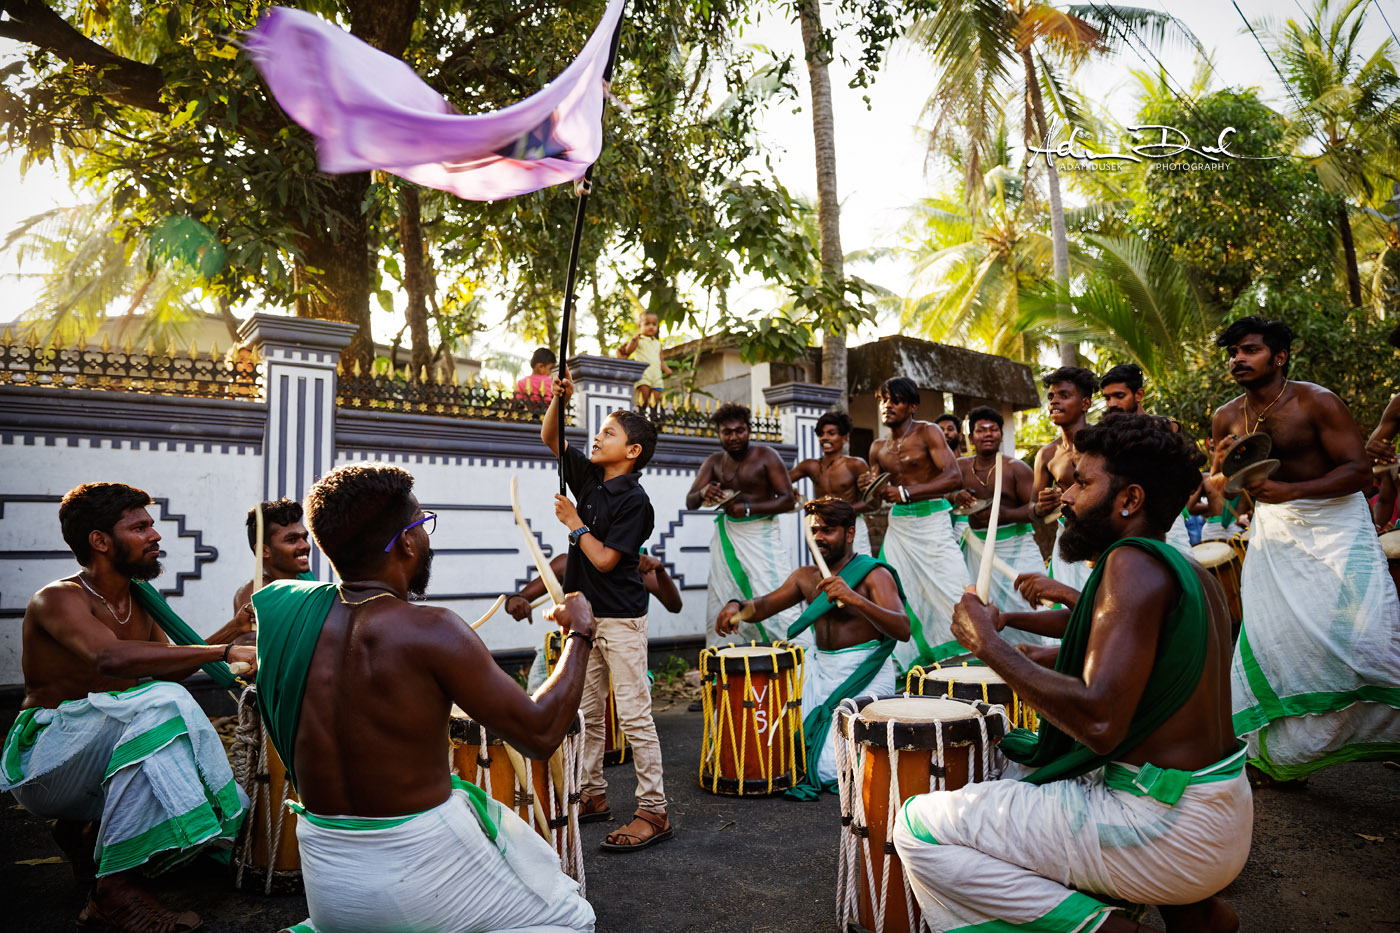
<point x="834" y="552"/>
<point x="418" y="584"/>
<point x="1087" y="535"/>
<point x="739" y="453"/>
<point x="137" y="569"/>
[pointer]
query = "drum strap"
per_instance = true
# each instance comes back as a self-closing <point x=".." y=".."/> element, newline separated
<point x="1181" y="657"/>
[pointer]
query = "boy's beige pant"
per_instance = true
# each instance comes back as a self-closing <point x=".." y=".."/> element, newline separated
<point x="620" y="647"/>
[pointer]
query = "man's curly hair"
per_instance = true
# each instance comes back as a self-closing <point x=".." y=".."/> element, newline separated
<point x="1079" y="377"/>
<point x="356" y="509"/>
<point x="833" y="511"/>
<point x="1143" y="450"/>
<point x="731" y="411"/>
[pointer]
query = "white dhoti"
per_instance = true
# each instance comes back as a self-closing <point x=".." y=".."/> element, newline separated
<point x="1015" y="545"/>
<point x="438" y="871"/>
<point x="823" y="672"/>
<point x="1316" y="672"/>
<point x="748" y="558"/>
<point x="1178" y="537"/>
<point x="144" y="763"/>
<point x="1009" y="854"/>
<point x="1217" y="529"/>
<point x="861" y="544"/>
<point x="919" y="544"/>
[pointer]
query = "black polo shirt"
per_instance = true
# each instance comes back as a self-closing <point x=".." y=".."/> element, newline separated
<point x="619" y="514"/>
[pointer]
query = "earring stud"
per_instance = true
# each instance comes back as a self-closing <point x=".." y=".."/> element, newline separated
<point x="1125" y="513"/>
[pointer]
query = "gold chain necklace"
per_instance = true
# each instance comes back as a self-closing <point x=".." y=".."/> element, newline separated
<point x="1259" y="420"/>
<point x="980" y="478"/>
<point x="370" y="599"/>
<point x="899" y="441"/>
<point x="129" y="606"/>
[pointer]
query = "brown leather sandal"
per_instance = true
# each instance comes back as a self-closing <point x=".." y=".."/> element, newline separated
<point x="139" y="914"/>
<point x="659" y="827"/>
<point x="594" y="809"/>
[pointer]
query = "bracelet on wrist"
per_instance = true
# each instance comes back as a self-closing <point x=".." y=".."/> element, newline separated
<point x="738" y="602"/>
<point x="226" y="651"/>
<point x="748" y="510"/>
<point x="587" y="638"/>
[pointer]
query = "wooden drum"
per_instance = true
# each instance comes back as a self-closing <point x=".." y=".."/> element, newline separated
<point x="545" y="794"/>
<point x="972" y="682"/>
<point x="1225" y="561"/>
<point x="614" y="741"/>
<point x="888" y="750"/>
<point x="752" y="742"/>
<point x="265" y="854"/>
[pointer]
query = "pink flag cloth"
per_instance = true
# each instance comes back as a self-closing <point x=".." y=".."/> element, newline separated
<point x="368" y="110"/>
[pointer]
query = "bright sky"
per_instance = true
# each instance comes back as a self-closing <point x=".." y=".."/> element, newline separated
<point x="880" y="155"/>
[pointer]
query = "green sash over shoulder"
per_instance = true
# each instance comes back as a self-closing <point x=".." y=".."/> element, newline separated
<point x="1176" y="671"/>
<point x="817" y="725"/>
<point x="179" y="630"/>
<point x="290" y="616"/>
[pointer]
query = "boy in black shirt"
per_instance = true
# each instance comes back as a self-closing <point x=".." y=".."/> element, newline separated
<point x="607" y="529"/>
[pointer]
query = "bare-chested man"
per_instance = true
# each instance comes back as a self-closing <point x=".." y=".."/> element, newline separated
<point x="1122" y="388"/>
<point x="836" y="473"/>
<point x="1015" y="541"/>
<point x="919" y="541"/>
<point x="356" y="688"/>
<point x="1318" y="654"/>
<point x="286" y="546"/>
<point x="951" y="426"/>
<point x="97" y="750"/>
<point x="747" y="553"/>
<point x="1069" y="391"/>
<point x="857" y="614"/>
<point x="1134" y="704"/>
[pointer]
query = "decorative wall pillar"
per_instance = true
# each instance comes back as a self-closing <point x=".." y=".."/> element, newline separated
<point x="298" y="359"/>
<point x="798" y="405"/>
<point x="602" y="384"/>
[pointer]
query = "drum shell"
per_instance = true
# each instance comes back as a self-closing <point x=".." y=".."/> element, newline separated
<point x="288" y="856"/>
<point x="740" y="754"/>
<point x="615" y="747"/>
<point x="916" y="774"/>
<point x="475" y="750"/>
<point x="266" y="796"/>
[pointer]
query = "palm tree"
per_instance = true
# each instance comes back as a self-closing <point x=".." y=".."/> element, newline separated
<point x="99" y="269"/>
<point x="985" y="48"/>
<point x="1347" y="103"/>
<point x="816" y="45"/>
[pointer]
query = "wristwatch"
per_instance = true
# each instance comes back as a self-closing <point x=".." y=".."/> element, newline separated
<point x="577" y="534"/>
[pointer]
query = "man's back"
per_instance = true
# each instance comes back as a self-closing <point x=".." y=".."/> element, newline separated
<point x="373" y="729"/>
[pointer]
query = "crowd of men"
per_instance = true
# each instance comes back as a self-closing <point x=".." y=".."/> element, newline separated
<point x="1134" y="789"/>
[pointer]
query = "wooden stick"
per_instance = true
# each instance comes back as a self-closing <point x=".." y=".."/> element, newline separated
<point x="522" y="777"/>
<point x="984" y="571"/>
<point x="822" y="568"/>
<point x="539" y="601"/>
<point x="1002" y="567"/>
<point x="500" y="601"/>
<point x="257" y="551"/>
<point x="551" y="582"/>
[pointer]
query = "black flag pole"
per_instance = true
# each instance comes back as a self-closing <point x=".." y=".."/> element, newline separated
<point x="584" y="188"/>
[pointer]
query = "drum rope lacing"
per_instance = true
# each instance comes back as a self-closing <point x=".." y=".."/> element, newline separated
<point x="782" y="711"/>
<point x="250" y="770"/>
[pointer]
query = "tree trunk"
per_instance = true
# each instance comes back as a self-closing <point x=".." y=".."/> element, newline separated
<point x="1059" y="239"/>
<point x="342" y="285"/>
<point x="1349" y="250"/>
<point x="414" y="279"/>
<point x="828" y="204"/>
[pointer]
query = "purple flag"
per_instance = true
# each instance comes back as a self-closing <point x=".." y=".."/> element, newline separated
<point x="368" y="110"/>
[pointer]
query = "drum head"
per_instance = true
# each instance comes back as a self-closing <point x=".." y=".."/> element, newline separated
<point x="1213" y="553"/>
<point x="1260" y="469"/>
<point x="1390" y="543"/>
<point x="873" y="490"/>
<point x="762" y="658"/>
<point x="977" y="505"/>
<point x="918" y="720"/>
<point x="1249" y="449"/>
<point x="965" y="675"/>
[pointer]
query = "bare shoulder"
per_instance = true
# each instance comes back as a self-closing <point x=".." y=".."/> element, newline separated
<point x="1230" y="408"/>
<point x="1015" y="468"/>
<point x="766" y="454"/>
<point x="857" y="465"/>
<point x="806" y="467"/>
<point x="1320" y="398"/>
<point x="1048" y="451"/>
<point x="1133" y="577"/>
<point x="59" y="598"/>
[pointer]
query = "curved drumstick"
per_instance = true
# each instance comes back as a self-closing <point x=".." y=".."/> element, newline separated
<point x="500" y="601"/>
<point x="551" y="582"/>
<point x="984" y="571"/>
<point x="522" y="778"/>
<point x="822" y="568"/>
<point x="1002" y="567"/>
<point x="257" y="551"/>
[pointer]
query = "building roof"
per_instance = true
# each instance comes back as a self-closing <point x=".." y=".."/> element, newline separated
<point x="941" y="368"/>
